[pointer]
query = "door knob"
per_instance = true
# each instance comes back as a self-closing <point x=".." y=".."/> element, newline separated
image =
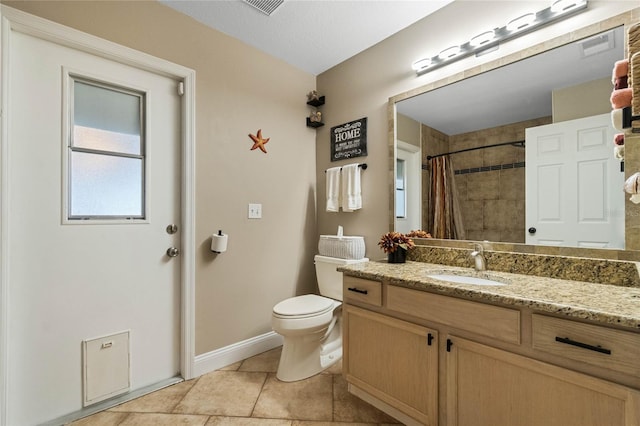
<point x="532" y="230"/>
<point x="173" y="252"/>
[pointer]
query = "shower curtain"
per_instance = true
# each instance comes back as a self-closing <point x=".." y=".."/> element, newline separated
<point x="445" y="217"/>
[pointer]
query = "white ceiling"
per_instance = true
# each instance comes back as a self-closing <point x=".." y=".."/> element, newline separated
<point x="312" y="35"/>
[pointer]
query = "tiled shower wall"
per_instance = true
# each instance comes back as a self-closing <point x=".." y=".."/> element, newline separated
<point x="490" y="181"/>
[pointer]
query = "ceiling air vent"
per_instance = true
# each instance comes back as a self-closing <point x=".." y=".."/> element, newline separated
<point x="265" y="6"/>
<point x="597" y="44"/>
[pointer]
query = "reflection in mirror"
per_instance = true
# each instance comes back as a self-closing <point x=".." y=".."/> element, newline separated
<point x="493" y="124"/>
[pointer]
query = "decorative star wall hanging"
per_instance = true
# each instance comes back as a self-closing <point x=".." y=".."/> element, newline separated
<point x="259" y="141"/>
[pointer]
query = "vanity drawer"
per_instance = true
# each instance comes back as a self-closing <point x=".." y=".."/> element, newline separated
<point x="487" y="320"/>
<point x="361" y="290"/>
<point x="592" y="344"/>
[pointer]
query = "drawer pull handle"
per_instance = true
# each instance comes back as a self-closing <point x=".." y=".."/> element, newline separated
<point x="429" y="339"/>
<point x="568" y="341"/>
<point x="357" y="290"/>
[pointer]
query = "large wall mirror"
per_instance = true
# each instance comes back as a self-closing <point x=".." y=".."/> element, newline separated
<point x="493" y="156"/>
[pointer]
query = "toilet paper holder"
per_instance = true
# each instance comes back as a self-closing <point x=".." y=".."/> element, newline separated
<point x="219" y="242"/>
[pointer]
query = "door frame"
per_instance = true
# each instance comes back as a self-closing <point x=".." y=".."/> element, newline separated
<point x="412" y="154"/>
<point x="13" y="20"/>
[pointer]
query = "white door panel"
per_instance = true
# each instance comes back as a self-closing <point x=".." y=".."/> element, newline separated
<point x="74" y="281"/>
<point x="574" y="185"/>
<point x="550" y="177"/>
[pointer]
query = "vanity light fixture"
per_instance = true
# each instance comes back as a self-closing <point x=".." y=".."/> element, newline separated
<point x="490" y="40"/>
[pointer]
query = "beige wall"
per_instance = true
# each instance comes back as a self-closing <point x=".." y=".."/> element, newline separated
<point x="408" y="130"/>
<point x="583" y="100"/>
<point x="238" y="91"/>
<point x="362" y="86"/>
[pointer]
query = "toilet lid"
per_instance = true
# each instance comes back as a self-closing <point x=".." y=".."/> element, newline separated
<point x="308" y="304"/>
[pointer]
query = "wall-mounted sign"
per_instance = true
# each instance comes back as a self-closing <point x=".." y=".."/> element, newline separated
<point x="349" y="140"/>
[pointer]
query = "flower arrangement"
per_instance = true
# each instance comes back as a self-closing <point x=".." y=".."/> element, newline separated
<point x="390" y="242"/>
<point x="419" y="234"/>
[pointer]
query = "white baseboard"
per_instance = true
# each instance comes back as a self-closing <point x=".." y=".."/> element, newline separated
<point x="222" y="357"/>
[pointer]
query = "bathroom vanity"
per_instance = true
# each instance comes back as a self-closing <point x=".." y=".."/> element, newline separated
<point x="531" y="351"/>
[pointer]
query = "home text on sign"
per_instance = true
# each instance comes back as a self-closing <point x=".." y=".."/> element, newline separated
<point x="349" y="140"/>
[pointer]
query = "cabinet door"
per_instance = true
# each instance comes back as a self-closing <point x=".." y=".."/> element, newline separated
<point x="395" y="361"/>
<point x="489" y="387"/>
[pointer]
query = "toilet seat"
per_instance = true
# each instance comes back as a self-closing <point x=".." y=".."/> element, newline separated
<point x="308" y="305"/>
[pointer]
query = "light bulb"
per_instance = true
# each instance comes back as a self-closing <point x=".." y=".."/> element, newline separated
<point x="521" y="22"/>
<point x="561" y="6"/>
<point x="421" y="64"/>
<point x="483" y="38"/>
<point x="449" y="52"/>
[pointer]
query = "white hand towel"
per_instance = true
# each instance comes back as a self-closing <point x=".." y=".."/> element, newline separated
<point x="333" y="189"/>
<point x="351" y="191"/>
<point x="616" y="119"/>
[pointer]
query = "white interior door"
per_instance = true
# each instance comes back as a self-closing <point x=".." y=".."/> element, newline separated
<point x="75" y="279"/>
<point x="574" y="185"/>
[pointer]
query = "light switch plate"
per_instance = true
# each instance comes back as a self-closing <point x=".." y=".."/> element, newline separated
<point x="255" y="211"/>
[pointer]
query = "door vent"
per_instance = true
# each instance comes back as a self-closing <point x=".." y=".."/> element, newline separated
<point x="106" y="367"/>
<point x="265" y="6"/>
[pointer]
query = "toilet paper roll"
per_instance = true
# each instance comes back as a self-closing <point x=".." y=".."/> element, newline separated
<point x="616" y="119"/>
<point x="219" y="243"/>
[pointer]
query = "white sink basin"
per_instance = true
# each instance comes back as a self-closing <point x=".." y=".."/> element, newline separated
<point x="464" y="279"/>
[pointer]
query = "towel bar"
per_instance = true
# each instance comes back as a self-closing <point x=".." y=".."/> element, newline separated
<point x="363" y="166"/>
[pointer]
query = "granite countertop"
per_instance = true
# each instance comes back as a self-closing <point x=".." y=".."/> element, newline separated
<point x="603" y="303"/>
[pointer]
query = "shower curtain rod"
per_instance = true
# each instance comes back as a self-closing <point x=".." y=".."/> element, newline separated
<point x="519" y="144"/>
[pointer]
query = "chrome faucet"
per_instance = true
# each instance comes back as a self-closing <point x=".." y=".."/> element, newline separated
<point x="480" y="263"/>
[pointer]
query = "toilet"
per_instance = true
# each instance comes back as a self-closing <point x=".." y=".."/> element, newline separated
<point x="310" y="324"/>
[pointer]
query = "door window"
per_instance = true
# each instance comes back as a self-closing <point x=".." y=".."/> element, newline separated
<point x="106" y="163"/>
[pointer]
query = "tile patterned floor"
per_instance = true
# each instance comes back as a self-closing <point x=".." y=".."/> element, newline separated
<point x="247" y="394"/>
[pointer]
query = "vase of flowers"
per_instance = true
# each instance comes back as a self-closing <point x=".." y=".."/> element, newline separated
<point x="396" y="245"/>
<point x="398" y="256"/>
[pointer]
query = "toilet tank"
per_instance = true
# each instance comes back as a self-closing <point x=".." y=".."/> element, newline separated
<point x="330" y="280"/>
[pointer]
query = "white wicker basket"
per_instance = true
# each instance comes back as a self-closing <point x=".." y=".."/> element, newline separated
<point x="342" y="247"/>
